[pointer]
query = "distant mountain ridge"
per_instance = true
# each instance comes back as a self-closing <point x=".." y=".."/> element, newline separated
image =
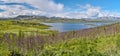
<point x="34" y="16"/>
<point x="45" y="17"/>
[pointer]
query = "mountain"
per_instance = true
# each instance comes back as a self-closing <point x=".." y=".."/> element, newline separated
<point x="29" y="17"/>
<point x="44" y="17"/>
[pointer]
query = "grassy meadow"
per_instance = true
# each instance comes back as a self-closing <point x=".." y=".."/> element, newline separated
<point x="31" y="38"/>
<point x="29" y="27"/>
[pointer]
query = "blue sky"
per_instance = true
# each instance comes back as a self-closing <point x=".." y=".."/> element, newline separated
<point x="104" y="4"/>
<point x="60" y="8"/>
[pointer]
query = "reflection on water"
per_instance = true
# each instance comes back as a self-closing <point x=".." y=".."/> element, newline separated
<point x="63" y="27"/>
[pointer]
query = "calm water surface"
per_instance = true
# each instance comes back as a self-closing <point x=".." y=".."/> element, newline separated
<point x="64" y="27"/>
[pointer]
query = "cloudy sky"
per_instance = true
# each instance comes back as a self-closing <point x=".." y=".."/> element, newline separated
<point x="60" y="8"/>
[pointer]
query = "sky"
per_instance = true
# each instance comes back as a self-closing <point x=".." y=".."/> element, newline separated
<point x="60" y="8"/>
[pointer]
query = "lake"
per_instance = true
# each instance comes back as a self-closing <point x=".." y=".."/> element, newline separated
<point x="64" y="27"/>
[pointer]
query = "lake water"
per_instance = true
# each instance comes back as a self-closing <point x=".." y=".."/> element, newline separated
<point x="64" y="27"/>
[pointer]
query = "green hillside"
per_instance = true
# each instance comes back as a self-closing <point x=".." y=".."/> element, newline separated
<point x="100" y="41"/>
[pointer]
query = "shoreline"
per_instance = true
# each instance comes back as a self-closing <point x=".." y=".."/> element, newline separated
<point x="91" y="32"/>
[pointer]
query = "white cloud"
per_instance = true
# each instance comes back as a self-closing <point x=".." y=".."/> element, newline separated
<point x="109" y="13"/>
<point x="92" y="11"/>
<point x="88" y="11"/>
<point x="15" y="10"/>
<point x="50" y="8"/>
<point x="46" y="5"/>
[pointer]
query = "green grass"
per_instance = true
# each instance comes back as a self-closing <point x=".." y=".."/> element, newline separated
<point x="101" y="41"/>
<point x="99" y="46"/>
<point x="14" y="26"/>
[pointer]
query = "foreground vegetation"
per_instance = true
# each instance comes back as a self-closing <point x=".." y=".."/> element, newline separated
<point x="100" y="41"/>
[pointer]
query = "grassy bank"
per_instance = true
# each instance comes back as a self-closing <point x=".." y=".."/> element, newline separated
<point x="14" y="26"/>
<point x="100" y="41"/>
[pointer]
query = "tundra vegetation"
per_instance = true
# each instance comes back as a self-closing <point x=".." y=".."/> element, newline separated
<point x="30" y="38"/>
